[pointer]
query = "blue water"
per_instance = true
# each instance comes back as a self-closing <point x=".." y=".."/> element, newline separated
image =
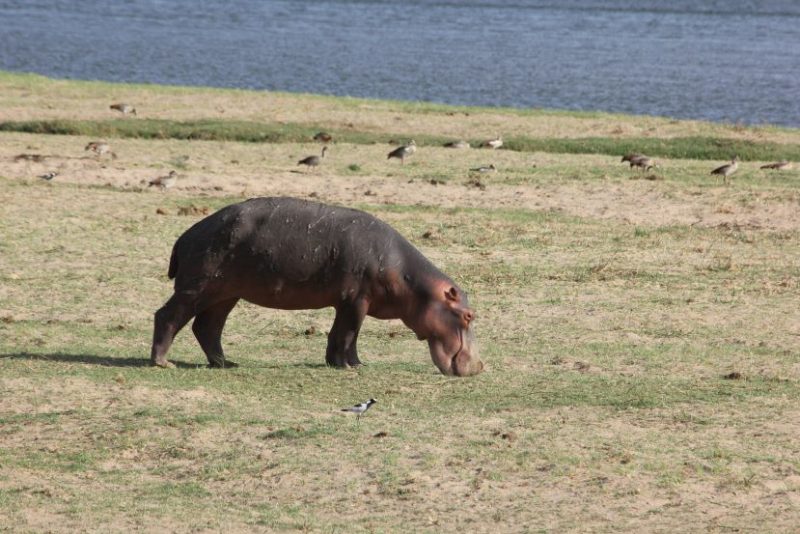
<point x="731" y="61"/>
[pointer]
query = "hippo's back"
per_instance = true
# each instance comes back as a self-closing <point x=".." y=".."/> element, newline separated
<point x="283" y="242"/>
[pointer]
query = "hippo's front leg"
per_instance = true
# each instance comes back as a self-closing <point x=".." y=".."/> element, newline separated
<point x="341" y="351"/>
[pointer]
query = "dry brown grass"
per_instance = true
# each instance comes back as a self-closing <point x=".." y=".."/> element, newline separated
<point x="610" y="312"/>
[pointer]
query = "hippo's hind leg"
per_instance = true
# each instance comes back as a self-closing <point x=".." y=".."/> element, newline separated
<point x="207" y="328"/>
<point x="168" y="322"/>
<point x="341" y="351"/>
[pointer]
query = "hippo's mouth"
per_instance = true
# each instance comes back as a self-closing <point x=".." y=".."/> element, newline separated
<point x="458" y="352"/>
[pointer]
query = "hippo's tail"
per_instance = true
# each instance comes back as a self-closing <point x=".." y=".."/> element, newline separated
<point x="173" y="263"/>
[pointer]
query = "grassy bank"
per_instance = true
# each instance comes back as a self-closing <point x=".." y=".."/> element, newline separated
<point x="703" y="148"/>
<point x="640" y="335"/>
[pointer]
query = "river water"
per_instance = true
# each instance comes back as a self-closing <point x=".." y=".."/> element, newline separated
<point x="730" y="61"/>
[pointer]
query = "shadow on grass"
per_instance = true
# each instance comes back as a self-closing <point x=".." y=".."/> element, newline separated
<point x="110" y="361"/>
<point x="92" y="359"/>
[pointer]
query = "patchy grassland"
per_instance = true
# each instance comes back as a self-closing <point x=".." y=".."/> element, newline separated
<point x="641" y="336"/>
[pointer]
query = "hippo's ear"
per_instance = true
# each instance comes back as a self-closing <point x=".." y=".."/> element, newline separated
<point x="451" y="294"/>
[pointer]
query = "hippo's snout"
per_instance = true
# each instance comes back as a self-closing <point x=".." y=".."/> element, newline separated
<point x="457" y="358"/>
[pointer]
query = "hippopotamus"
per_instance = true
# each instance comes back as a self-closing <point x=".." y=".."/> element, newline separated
<point x="293" y="254"/>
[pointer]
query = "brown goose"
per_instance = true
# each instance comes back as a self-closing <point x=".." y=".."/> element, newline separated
<point x="404" y="151"/>
<point x="630" y="157"/>
<point x="323" y="137"/>
<point x="123" y="108"/>
<point x="779" y="166"/>
<point x="727" y="169"/>
<point x="164" y="182"/>
<point x="643" y="162"/>
<point x="313" y="161"/>
<point x="100" y="148"/>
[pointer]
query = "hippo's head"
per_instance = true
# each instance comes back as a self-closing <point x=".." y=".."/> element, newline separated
<point x="445" y="322"/>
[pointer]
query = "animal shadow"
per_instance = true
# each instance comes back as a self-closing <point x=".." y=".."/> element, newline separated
<point x="91" y="359"/>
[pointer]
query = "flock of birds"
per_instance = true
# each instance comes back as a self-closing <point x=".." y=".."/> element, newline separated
<point x="640" y="161"/>
<point x="643" y="162"/>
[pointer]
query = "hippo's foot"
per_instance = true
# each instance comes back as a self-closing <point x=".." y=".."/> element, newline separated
<point x="222" y="364"/>
<point x="163" y="363"/>
<point x="343" y="361"/>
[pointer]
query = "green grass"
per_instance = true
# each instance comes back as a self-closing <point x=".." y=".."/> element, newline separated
<point x="641" y="376"/>
<point x="700" y="148"/>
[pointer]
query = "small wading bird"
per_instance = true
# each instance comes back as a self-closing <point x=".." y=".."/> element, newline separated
<point x="164" y="182"/>
<point x="100" y="148"/>
<point x="313" y="161"/>
<point x="727" y="169"/>
<point x="48" y="176"/>
<point x="125" y="109"/>
<point x="404" y="151"/>
<point x="359" y="409"/>
<point x="495" y="143"/>
<point x="489" y="168"/>
<point x="779" y="166"/>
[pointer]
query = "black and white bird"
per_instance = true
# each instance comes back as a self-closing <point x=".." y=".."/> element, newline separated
<point x="359" y="409"/>
<point x="48" y="176"/>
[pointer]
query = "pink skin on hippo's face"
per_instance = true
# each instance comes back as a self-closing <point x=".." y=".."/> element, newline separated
<point x="447" y="328"/>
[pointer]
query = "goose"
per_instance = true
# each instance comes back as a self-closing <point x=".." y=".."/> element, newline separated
<point x="779" y="166"/>
<point x="313" y="161"/>
<point x="403" y="151"/>
<point x="495" y="143"/>
<point x="630" y="157"/>
<point x="323" y="137"/>
<point x="164" y="182"/>
<point x="727" y="169"/>
<point x="643" y="162"/>
<point x="123" y="108"/>
<point x="485" y="168"/>
<point x="457" y="144"/>
<point x="100" y="148"/>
